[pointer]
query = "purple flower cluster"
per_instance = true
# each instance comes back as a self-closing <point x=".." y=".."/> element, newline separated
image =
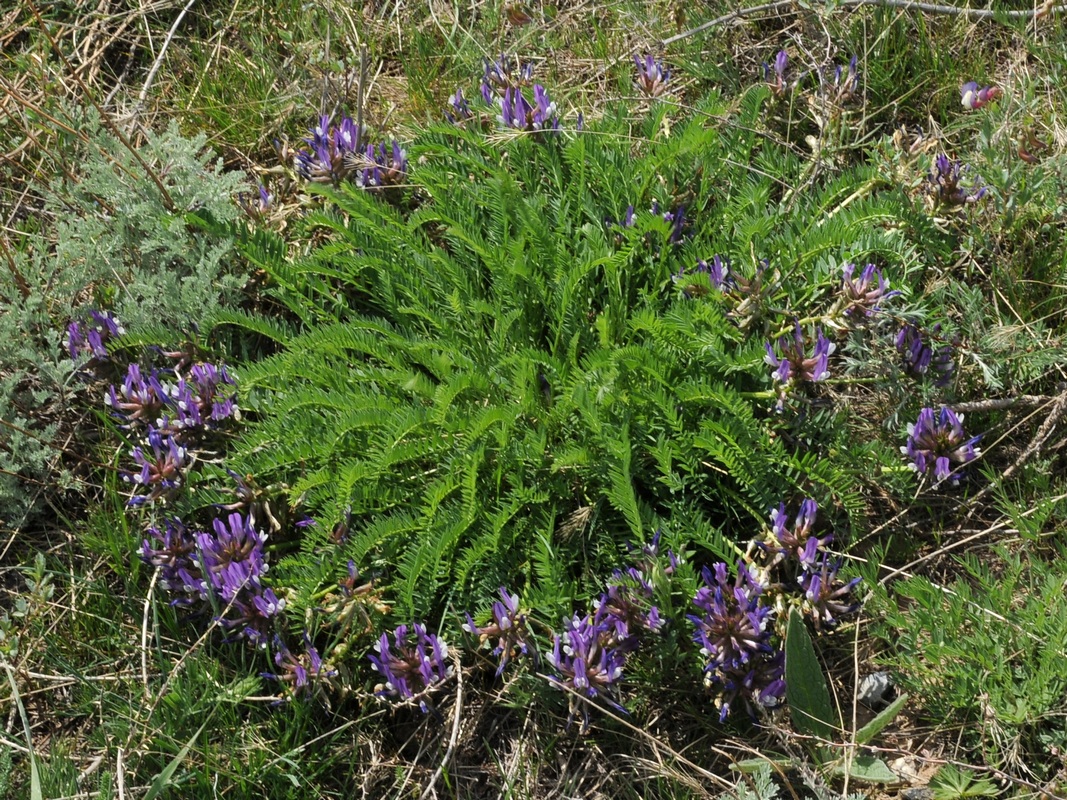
<point x="775" y="74"/>
<point x="973" y="97"/>
<point x="508" y="627"/>
<point x="861" y="296"/>
<point x="936" y="441"/>
<point x="920" y="358"/>
<point x="301" y="674"/>
<point x="459" y="109"/>
<point x="846" y="81"/>
<point x="170" y="416"/>
<point x="944" y="184"/>
<point x="333" y="152"/>
<point x="735" y="631"/>
<point x="412" y="664"/>
<point x="517" y="113"/>
<point x="591" y="653"/>
<point x="256" y="207"/>
<point x="827" y="598"/>
<point x="500" y="76"/>
<point x="89" y="338"/>
<point x="717" y="272"/>
<point x="793" y="366"/>
<point x="383" y="167"/>
<point x="221" y="569"/>
<point x="652" y="76"/>
<point x="797" y="542"/>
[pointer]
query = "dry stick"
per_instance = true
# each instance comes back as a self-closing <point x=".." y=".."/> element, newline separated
<point x="168" y="201"/>
<point x="455" y="730"/>
<point x="908" y="5"/>
<point x="157" y="64"/>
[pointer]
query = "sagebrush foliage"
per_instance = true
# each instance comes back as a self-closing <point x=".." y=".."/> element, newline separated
<point x="502" y="383"/>
<point x="116" y="245"/>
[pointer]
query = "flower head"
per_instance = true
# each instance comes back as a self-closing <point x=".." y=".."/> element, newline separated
<point x="301" y="674"/>
<point x="585" y="663"/>
<point x="506" y="73"/>
<point x="919" y="358"/>
<point x="91" y="338"/>
<point x="161" y="462"/>
<point x="383" y="167"/>
<point x="139" y="399"/>
<point x="776" y="74"/>
<point x="734" y="633"/>
<point x="652" y="77"/>
<point x="508" y="627"/>
<point x="973" y="97"/>
<point x="794" y="366"/>
<point x="826" y="597"/>
<point x="331" y="152"/>
<point x="846" y="80"/>
<point x="717" y="270"/>
<point x="798" y="542"/>
<point x="517" y="112"/>
<point x="459" y="109"/>
<point x="861" y="296"/>
<point x="944" y="183"/>
<point x="937" y="441"/>
<point x="411" y="664"/>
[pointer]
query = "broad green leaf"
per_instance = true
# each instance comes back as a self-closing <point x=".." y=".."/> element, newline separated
<point x="869" y="769"/>
<point x="806" y="691"/>
<point x="875" y="726"/>
<point x="750" y="766"/>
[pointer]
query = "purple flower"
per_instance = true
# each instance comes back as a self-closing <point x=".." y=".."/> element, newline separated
<point x="973" y="98"/>
<point x="585" y="665"/>
<point x="459" y="109"/>
<point x="232" y="558"/>
<point x="919" y="358"/>
<point x="161" y="466"/>
<point x="252" y="613"/>
<point x="937" y="441"/>
<point x="518" y="114"/>
<point x="846" y="81"/>
<point x="507" y="73"/>
<point x="139" y="399"/>
<point x="717" y="271"/>
<point x="508" y="628"/>
<point x="798" y="542"/>
<point x="383" y="167"/>
<point x="258" y="207"/>
<point x="332" y="151"/>
<point x="652" y="77"/>
<point x="776" y="74"/>
<point x="862" y="296"/>
<point x="302" y="675"/>
<point x="794" y="366"/>
<point x="173" y="551"/>
<point x="412" y="664"/>
<point x="734" y="632"/>
<point x="944" y="183"/>
<point x="827" y="598"/>
<point x="91" y="338"/>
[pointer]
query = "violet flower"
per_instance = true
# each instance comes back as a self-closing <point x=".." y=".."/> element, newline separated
<point x="717" y="270"/>
<point x="459" y="109"/>
<point x="233" y="558"/>
<point x="846" y="82"/>
<point x="937" y="441"/>
<point x="301" y="675"/>
<point x="161" y="466"/>
<point x="332" y="151"/>
<point x="383" y="168"/>
<point x="798" y="542"/>
<point x="507" y="73"/>
<point x="734" y="633"/>
<point x="827" y="598"/>
<point x="974" y="98"/>
<point x="173" y="550"/>
<point x="652" y="77"/>
<point x="794" y="366"/>
<point x="776" y="74"/>
<point x="412" y="664"/>
<point x="585" y="665"/>
<point x="944" y="183"/>
<point x="919" y="358"/>
<point x="139" y="399"/>
<point x="518" y="114"/>
<point x="862" y="296"/>
<point x="91" y="338"/>
<point x="508" y="627"/>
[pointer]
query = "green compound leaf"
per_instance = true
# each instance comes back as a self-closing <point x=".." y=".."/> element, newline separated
<point x="806" y="691"/>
